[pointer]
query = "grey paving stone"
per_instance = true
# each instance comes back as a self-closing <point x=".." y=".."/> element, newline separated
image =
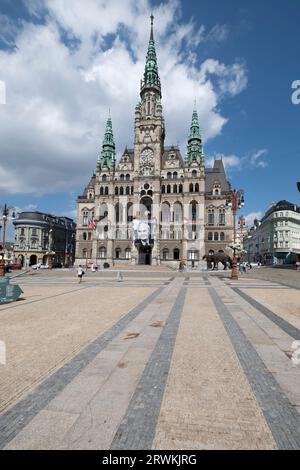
<point x="19" y="415"/>
<point x="282" y="417"/>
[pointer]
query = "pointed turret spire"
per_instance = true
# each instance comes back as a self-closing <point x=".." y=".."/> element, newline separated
<point x="151" y="78"/>
<point x="107" y="156"/>
<point x="195" y="147"/>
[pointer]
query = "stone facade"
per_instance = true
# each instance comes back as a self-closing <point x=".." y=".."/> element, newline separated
<point x="39" y="236"/>
<point x="153" y="206"/>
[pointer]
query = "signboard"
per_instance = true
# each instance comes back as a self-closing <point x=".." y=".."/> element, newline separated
<point x="8" y="292"/>
<point x="142" y="231"/>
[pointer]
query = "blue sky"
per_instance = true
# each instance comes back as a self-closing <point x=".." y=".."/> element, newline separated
<point x="64" y="67"/>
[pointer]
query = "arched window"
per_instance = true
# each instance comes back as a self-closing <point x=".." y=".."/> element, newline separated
<point x="211" y="217"/>
<point x="84" y="253"/>
<point x="210" y="236"/>
<point x="127" y="177"/>
<point x="84" y="236"/>
<point x="103" y="211"/>
<point x="101" y="191"/>
<point x="102" y="252"/>
<point x="222" y="217"/>
<point x="168" y="189"/>
<point x="163" y="189"/>
<point x="175" y="175"/>
<point x="106" y="191"/>
<point x="119" y="213"/>
<point x="194" y="174"/>
<point x="222" y="236"/>
<point x="128" y="253"/>
<point x="193" y="255"/>
<point x="127" y="190"/>
<point x="118" y="253"/>
<point x="177" y="211"/>
<point x="165" y="213"/>
<point x="196" y="188"/>
<point x="89" y="236"/>
<point x="122" y="177"/>
<point x="193" y="209"/>
<point x="121" y="191"/>
<point x="116" y="191"/>
<point x="216" y="236"/>
<point x="169" y="175"/>
<point x="165" y="253"/>
<point x="129" y="212"/>
<point x="176" y="254"/>
<point x="216" y="189"/>
<point x="191" y="188"/>
<point x="180" y="188"/>
<point x="104" y="178"/>
<point x="85" y="218"/>
<point x="175" y="189"/>
<point x="131" y="189"/>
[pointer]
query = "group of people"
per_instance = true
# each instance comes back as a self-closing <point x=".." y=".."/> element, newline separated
<point x="245" y="267"/>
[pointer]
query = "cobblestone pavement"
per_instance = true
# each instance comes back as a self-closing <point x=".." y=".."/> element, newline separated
<point x="159" y="360"/>
<point x="289" y="277"/>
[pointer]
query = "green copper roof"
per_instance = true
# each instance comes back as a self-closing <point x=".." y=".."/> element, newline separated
<point x="195" y="147"/>
<point x="107" y="157"/>
<point x="151" y="78"/>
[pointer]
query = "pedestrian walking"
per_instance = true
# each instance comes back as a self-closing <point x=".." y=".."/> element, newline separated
<point x="80" y="273"/>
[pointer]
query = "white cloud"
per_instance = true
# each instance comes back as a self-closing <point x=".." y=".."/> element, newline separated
<point x="58" y="94"/>
<point x="255" y="159"/>
<point x="249" y="219"/>
<point x="229" y="161"/>
<point x="251" y="160"/>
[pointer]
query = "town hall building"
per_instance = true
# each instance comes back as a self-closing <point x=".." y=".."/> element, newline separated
<point x="153" y="206"/>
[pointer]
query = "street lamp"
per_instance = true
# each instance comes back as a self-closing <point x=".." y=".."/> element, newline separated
<point x="5" y="214"/>
<point x="235" y="200"/>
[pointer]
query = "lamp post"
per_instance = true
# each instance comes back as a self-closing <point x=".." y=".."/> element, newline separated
<point x="242" y="220"/>
<point x="235" y="200"/>
<point x="5" y="214"/>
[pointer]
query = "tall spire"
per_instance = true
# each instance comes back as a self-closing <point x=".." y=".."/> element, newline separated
<point x="195" y="148"/>
<point x="107" y="156"/>
<point x="151" y="33"/>
<point x="151" y="78"/>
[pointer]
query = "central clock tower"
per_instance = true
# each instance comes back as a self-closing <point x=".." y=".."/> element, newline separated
<point x="149" y="121"/>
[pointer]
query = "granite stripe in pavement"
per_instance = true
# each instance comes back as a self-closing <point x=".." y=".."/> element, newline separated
<point x="282" y="417"/>
<point x="137" y="430"/>
<point x="283" y="324"/>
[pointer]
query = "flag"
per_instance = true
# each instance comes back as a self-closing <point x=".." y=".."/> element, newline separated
<point x="92" y="224"/>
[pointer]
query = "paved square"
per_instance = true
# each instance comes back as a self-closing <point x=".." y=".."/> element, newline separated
<point x="161" y="360"/>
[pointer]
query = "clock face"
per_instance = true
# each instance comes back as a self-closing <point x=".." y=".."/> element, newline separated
<point x="147" y="157"/>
